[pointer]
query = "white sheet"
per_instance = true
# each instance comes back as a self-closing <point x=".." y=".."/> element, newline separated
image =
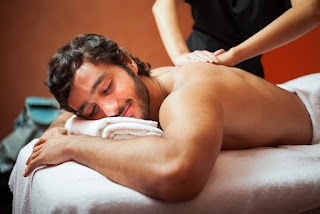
<point x="262" y="180"/>
<point x="282" y="179"/>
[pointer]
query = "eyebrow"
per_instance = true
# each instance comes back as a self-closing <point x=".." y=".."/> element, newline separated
<point x="97" y="83"/>
<point x="94" y="88"/>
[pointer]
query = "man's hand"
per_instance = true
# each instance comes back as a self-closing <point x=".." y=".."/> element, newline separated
<point x="198" y="56"/>
<point x="49" y="151"/>
<point x="54" y="131"/>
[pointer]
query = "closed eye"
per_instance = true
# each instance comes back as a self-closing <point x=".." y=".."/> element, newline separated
<point x="108" y="88"/>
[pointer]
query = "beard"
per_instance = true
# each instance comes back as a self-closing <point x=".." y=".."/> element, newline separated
<point x="142" y="95"/>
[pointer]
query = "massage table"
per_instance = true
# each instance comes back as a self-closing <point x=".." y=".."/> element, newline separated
<point x="281" y="179"/>
<point x="284" y="179"/>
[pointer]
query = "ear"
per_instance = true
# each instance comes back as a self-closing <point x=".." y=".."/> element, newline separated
<point x="132" y="64"/>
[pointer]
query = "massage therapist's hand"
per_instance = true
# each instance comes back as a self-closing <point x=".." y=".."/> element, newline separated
<point x="49" y="151"/>
<point x="229" y="58"/>
<point x="197" y="56"/>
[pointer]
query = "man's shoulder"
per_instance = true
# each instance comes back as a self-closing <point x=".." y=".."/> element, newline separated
<point x="161" y="70"/>
<point x="198" y="71"/>
<point x="194" y="75"/>
<point x="181" y="70"/>
<point x="190" y="70"/>
<point x="201" y="75"/>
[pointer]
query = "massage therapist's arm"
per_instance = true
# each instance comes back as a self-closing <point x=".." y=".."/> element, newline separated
<point x="294" y="23"/>
<point x="166" y="16"/>
<point x="174" y="167"/>
<point x="167" y="20"/>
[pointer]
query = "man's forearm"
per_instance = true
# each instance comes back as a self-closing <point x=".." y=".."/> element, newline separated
<point x="151" y="165"/>
<point x="57" y="127"/>
<point x="139" y="163"/>
<point x="61" y="120"/>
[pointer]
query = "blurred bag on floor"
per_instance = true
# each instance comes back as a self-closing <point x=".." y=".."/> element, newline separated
<point x="35" y="118"/>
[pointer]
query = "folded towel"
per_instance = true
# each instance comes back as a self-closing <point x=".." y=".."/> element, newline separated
<point x="116" y="128"/>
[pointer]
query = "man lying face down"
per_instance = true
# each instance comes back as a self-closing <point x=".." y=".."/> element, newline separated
<point x="201" y="107"/>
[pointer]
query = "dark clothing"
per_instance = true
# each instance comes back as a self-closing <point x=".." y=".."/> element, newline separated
<point x="226" y="23"/>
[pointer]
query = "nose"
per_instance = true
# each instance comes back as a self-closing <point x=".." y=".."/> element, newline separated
<point x="108" y="106"/>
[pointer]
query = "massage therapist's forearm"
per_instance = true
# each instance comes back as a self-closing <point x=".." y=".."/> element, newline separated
<point x="297" y="21"/>
<point x="167" y="20"/>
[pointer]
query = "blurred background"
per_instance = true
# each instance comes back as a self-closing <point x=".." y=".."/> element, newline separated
<point x="31" y="31"/>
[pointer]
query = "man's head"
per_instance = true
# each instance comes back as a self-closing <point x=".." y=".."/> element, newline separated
<point x="94" y="59"/>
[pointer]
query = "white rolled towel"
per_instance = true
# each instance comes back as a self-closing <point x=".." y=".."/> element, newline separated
<point x="116" y="128"/>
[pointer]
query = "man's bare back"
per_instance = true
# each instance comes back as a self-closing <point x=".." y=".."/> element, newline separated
<point x="255" y="112"/>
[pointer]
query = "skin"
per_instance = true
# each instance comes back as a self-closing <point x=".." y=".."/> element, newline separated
<point x="215" y="108"/>
<point x="294" y="23"/>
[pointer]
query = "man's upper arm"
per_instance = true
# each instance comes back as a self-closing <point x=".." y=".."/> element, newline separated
<point x="192" y="120"/>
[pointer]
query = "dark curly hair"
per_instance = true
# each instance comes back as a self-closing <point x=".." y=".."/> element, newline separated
<point x="86" y="47"/>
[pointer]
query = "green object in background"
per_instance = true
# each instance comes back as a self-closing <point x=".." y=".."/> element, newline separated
<point x="42" y="110"/>
<point x="36" y="117"/>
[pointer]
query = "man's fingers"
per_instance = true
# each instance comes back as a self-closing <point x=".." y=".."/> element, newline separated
<point x="28" y="161"/>
<point x="40" y="141"/>
<point x="34" y="161"/>
<point x="33" y="155"/>
<point x="32" y="165"/>
<point x="43" y="139"/>
<point x="36" y="148"/>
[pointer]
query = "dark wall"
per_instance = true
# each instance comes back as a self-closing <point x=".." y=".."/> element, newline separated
<point x="31" y="31"/>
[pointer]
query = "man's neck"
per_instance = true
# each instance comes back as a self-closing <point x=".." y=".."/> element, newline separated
<point x="157" y="96"/>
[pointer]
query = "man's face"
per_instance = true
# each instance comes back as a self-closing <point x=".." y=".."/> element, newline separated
<point x="102" y="90"/>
